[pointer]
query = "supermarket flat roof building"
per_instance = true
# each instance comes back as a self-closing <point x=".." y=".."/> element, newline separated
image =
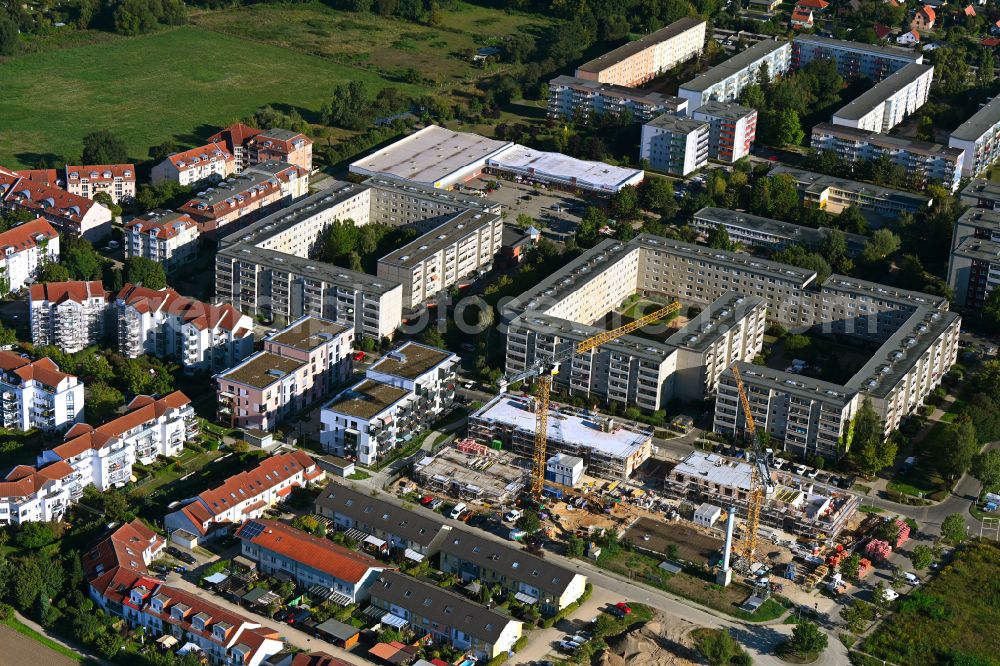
<point x="564" y="171"/>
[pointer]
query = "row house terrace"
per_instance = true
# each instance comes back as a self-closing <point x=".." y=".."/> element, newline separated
<point x="68" y="315"/>
<point x="67" y="212"/>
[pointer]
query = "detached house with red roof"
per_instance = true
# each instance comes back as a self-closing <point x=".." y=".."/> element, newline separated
<point x="200" y="336"/>
<point x="250" y="146"/>
<point x="68" y="315"/>
<point x="29" y="495"/>
<point x="24" y="250"/>
<point x="244" y="496"/>
<point x="801" y="18"/>
<point x="209" y="162"/>
<point x="116" y="570"/>
<point x="163" y="236"/>
<point x="923" y="20"/>
<point x="103" y="456"/>
<point x="36" y="394"/>
<point x="326" y="569"/>
<point x="69" y="213"/>
<point x="116" y="180"/>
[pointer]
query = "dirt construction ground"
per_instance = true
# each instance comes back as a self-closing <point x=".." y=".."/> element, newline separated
<point x="692" y="544"/>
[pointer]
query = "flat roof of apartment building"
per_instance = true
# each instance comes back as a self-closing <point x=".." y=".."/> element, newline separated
<point x="628" y="50"/>
<point x="801" y="386"/>
<point x="436" y="194"/>
<point x="981" y="122"/>
<point x="261" y="370"/>
<point x="737" y="63"/>
<point x="866" y="102"/>
<point x="716" y="320"/>
<point x="794" y="233"/>
<point x="845" y="45"/>
<point x="307" y="333"/>
<point x="430" y="156"/>
<point x="621" y="92"/>
<point x="886" y="141"/>
<point x="631" y="345"/>
<point x="744" y="261"/>
<point x="457" y="228"/>
<point x="674" y="124"/>
<point x="884" y="292"/>
<point x="980" y="249"/>
<point x="725" y="110"/>
<point x="572" y="429"/>
<point x="901" y="351"/>
<point x="982" y="218"/>
<point x="411" y="360"/>
<point x="982" y="189"/>
<point x="817" y="182"/>
<point x="366" y="399"/>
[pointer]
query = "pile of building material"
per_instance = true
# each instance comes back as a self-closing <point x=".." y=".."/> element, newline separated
<point x="877" y="550"/>
<point x="659" y="642"/>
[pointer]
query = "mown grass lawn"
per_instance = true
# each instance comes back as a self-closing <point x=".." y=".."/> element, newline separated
<point x="180" y="84"/>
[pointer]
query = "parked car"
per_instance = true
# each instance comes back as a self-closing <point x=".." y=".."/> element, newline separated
<point x="433" y="506"/>
<point x="512" y="515"/>
<point x="359" y="356"/>
<point x="173" y="551"/>
<point x="846" y="483"/>
<point x="813" y="474"/>
<point x="889" y="594"/>
<point x="623" y="607"/>
<point x="568" y="646"/>
<point x="426" y="499"/>
<point x="800" y="469"/>
<point x="911" y="578"/>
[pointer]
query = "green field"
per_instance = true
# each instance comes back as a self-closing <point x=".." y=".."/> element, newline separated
<point x="181" y="83"/>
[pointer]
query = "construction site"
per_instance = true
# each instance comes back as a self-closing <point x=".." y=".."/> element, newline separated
<point x="469" y="470"/>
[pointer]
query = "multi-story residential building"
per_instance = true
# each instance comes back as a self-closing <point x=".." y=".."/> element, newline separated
<point x="257" y="191"/>
<point x="449" y="618"/>
<point x="209" y="162"/>
<point x="979" y="137"/>
<point x="463" y="247"/>
<point x="298" y="366"/>
<point x="280" y="145"/>
<point x="646" y="58"/>
<point x="404" y="391"/>
<point x="854" y="59"/>
<point x="236" y="138"/>
<point x="24" y="251"/>
<point x="316" y="564"/>
<point x="244" y="496"/>
<point x="675" y="144"/>
<point x="725" y="81"/>
<point x="974" y="271"/>
<point x="808" y="415"/>
<point x="756" y="231"/>
<point x="930" y="161"/>
<point x="549" y="585"/>
<point x="36" y="394"/>
<point x="163" y="236"/>
<point x="609" y="449"/>
<point x="69" y="213"/>
<point x="115" y="180"/>
<point x="68" y="315"/>
<point x="834" y="194"/>
<point x="29" y="495"/>
<point x="103" y="456"/>
<point x="575" y="98"/>
<point x="732" y="129"/>
<point x="981" y="193"/>
<point x="41" y="176"/>
<point x="200" y="336"/>
<point x="415" y="534"/>
<point x="889" y="102"/>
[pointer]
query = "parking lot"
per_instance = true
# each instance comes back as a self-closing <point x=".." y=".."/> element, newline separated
<point x="559" y="211"/>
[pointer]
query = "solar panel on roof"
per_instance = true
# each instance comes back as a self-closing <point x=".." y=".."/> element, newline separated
<point x="251" y="529"/>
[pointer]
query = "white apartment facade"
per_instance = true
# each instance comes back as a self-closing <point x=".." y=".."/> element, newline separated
<point x="116" y="180"/>
<point x="889" y="102"/>
<point x="979" y="137"/>
<point x="36" y="394"/>
<point x="675" y="144"/>
<point x="402" y="393"/>
<point x="732" y="129"/>
<point x="575" y="98"/>
<point x="68" y="315"/>
<point x="209" y="162"/>
<point x="166" y="237"/>
<point x="24" y="251"/>
<point x="726" y="81"/>
<point x="646" y="58"/>
<point x="29" y="495"/>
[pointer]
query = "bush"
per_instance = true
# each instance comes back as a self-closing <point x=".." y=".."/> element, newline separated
<point x="6" y="612"/>
<point x="521" y="643"/>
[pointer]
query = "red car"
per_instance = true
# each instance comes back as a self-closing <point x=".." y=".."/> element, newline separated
<point x="623" y="607"/>
<point x="426" y="499"/>
<point x="359" y="356"/>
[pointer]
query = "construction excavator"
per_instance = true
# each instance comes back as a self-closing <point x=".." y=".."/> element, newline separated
<point x="542" y="371"/>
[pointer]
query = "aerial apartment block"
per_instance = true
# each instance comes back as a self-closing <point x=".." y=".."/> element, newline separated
<point x="168" y="238"/>
<point x="116" y="180"/>
<point x="253" y="193"/>
<point x="854" y="59"/>
<point x="981" y="193"/>
<point x="725" y="81"/>
<point x="732" y="129"/>
<point x="69" y="213"/>
<point x="401" y="394"/>
<point x="36" y="394"/>
<point x="24" y="251"/>
<point x="211" y="161"/>
<point x="28" y="495"/>
<point x="929" y="161"/>
<point x="974" y="265"/>
<point x="68" y="315"/>
<point x="250" y="146"/>
<point x="575" y="98"/>
<point x="834" y="194"/>
<point x="979" y="137"/>
<point x="889" y="102"/>
<point x="199" y="336"/>
<point x="756" y="231"/>
<point x="675" y="144"/>
<point x="298" y="366"/>
<point x="646" y="58"/>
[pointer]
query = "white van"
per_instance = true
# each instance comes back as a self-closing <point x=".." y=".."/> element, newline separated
<point x="457" y="511"/>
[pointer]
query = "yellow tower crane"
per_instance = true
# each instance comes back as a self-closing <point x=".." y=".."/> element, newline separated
<point x="544" y="370"/>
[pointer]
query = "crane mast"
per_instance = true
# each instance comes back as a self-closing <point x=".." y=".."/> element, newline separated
<point x="760" y="478"/>
<point x="545" y="370"/>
